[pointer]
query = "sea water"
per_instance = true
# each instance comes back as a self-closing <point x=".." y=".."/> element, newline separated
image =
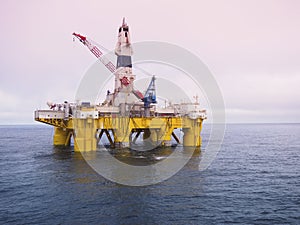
<point x="255" y="179"/>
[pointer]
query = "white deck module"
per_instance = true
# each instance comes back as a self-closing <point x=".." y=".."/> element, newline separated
<point x="49" y="114"/>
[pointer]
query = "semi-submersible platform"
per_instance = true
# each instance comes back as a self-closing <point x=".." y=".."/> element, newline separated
<point x="126" y="115"/>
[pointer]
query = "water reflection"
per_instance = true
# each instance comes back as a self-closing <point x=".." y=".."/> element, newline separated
<point x="81" y="185"/>
<point x="62" y="152"/>
<point x="84" y="166"/>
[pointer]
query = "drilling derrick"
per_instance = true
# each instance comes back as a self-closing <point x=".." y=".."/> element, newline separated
<point x="124" y="79"/>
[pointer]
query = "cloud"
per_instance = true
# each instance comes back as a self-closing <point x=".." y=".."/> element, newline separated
<point x="252" y="48"/>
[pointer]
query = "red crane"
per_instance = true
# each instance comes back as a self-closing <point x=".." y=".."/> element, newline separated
<point x="97" y="52"/>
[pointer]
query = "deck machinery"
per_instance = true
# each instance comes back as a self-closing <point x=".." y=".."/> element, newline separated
<point x="126" y="115"/>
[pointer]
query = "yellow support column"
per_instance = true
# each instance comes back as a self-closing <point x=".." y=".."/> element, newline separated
<point x="164" y="136"/>
<point x="154" y="137"/>
<point x="62" y="136"/>
<point x="122" y="130"/>
<point x="85" y="135"/>
<point x="192" y="131"/>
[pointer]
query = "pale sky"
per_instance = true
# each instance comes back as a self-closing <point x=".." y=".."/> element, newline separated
<point x="252" y="47"/>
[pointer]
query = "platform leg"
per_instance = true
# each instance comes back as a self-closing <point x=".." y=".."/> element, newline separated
<point x="192" y="136"/>
<point x="164" y="136"/>
<point x="62" y="137"/>
<point x="86" y="135"/>
<point x="122" y="132"/>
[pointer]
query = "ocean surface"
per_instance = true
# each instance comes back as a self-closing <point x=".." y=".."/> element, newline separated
<point x="255" y="179"/>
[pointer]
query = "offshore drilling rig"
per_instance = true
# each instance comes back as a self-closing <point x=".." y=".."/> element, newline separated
<point x="125" y="114"/>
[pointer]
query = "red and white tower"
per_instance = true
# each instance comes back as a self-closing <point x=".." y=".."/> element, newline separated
<point x="123" y="76"/>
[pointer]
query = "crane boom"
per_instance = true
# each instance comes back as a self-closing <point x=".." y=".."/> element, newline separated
<point x="96" y="51"/>
<point x="99" y="54"/>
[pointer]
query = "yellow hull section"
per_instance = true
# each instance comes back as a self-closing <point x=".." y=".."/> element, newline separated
<point x="85" y="132"/>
